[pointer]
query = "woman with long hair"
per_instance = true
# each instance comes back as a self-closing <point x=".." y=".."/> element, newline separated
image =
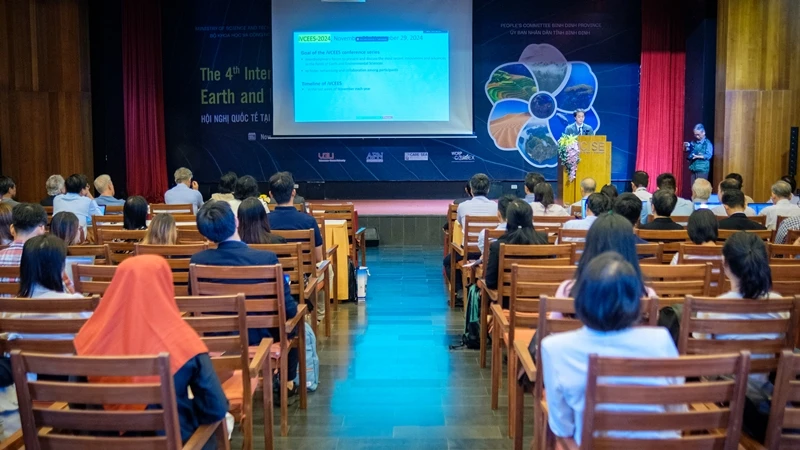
<point x="162" y="231"/>
<point x="703" y="229"/>
<point x="253" y="224"/>
<point x="5" y="224"/>
<point x="246" y="187"/>
<point x="134" y="213"/>
<point x="66" y="227"/>
<point x="225" y="188"/>
<point x="544" y="204"/>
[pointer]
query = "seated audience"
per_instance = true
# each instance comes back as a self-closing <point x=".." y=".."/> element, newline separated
<point x="738" y="177"/>
<point x="545" y="203"/>
<point x="185" y="191"/>
<point x="519" y="231"/>
<point x="105" y="191"/>
<point x="54" y="186"/>
<point x="28" y="220"/>
<point x="478" y="205"/>
<point x="531" y="180"/>
<point x="8" y="190"/>
<point x="703" y="229"/>
<point x="77" y="200"/>
<point x="162" y="231"/>
<point x="246" y="187"/>
<point x="729" y="184"/>
<point x="141" y="297"/>
<point x="253" y="224"/>
<point x="502" y="207"/>
<point x="134" y="213"/>
<point x="781" y="195"/>
<point x="6" y="219"/>
<point x="639" y="184"/>
<point x="795" y="200"/>
<point x="663" y="203"/>
<point x="227" y="183"/>
<point x="287" y="217"/>
<point x="733" y="200"/>
<point x="629" y="206"/>
<point x="701" y="191"/>
<point x="683" y="207"/>
<point x="588" y="187"/>
<point x="596" y="205"/>
<point x="458" y="201"/>
<point x="610" y="191"/>
<point x="608" y="301"/>
<point x="792" y="223"/>
<point x="66" y="227"/>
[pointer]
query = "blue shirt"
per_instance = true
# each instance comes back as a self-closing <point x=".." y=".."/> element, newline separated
<point x="83" y="207"/>
<point x="184" y="195"/>
<point x="289" y="218"/>
<point x="107" y="200"/>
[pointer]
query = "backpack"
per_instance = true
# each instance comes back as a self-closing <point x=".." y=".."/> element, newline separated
<point x="312" y="361"/>
<point x="352" y="286"/>
<point x="472" y="328"/>
<point x="669" y="317"/>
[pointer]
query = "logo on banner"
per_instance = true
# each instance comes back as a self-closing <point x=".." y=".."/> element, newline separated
<point x="375" y="157"/>
<point x="329" y="157"/>
<point x="251" y="136"/>
<point x="416" y="156"/>
<point x="462" y="156"/>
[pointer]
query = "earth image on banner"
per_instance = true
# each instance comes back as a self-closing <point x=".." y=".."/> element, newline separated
<point x="533" y="101"/>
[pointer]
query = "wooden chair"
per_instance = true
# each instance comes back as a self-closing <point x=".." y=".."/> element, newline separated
<point x="650" y="253"/>
<point x="670" y="239"/>
<point x="452" y="217"/>
<point x="92" y="280"/>
<point x="100" y="252"/>
<point x="783" y="254"/>
<point x="190" y="235"/>
<point x="35" y="317"/>
<point x="566" y="236"/>
<point x="576" y="211"/>
<point x="757" y="219"/>
<point x="225" y="336"/>
<point x="158" y="208"/>
<point x="696" y="254"/>
<point x="792" y="236"/>
<point x="9" y="281"/>
<point x="680" y="220"/>
<point x="272" y="205"/>
<point x="540" y="222"/>
<point x="185" y="220"/>
<point x="178" y="257"/>
<point x="120" y="243"/>
<point x="59" y="427"/>
<point x="785" y="411"/>
<point x="263" y="290"/>
<point x="114" y="222"/>
<point x="346" y="212"/>
<point x="765" y="235"/>
<point x="678" y="281"/>
<point x="785" y="279"/>
<point x="330" y="252"/>
<point x="472" y="228"/>
<point x="114" y="209"/>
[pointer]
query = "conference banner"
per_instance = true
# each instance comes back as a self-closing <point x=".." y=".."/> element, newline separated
<point x="380" y="100"/>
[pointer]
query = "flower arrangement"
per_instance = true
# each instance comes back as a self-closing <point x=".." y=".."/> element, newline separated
<point x="569" y="154"/>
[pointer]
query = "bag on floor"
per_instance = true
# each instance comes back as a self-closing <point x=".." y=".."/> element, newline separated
<point x="472" y="328"/>
<point x="312" y="361"/>
<point x="352" y="285"/>
<point x="669" y="317"/>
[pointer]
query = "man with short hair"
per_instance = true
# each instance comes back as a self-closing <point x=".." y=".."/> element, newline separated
<point x="54" y="186"/>
<point x="729" y="184"/>
<point x="588" y="187"/>
<point x="738" y="177"/>
<point x="664" y="202"/>
<point x="579" y="128"/>
<point x="531" y="180"/>
<point x="639" y="184"/>
<point x="596" y="204"/>
<point x="733" y="202"/>
<point x="185" y="191"/>
<point x="795" y="200"/>
<point x="76" y="201"/>
<point x="8" y="190"/>
<point x="286" y="216"/>
<point x="701" y="191"/>
<point x="105" y="189"/>
<point x="683" y="208"/>
<point x="781" y="195"/>
<point x="629" y="206"/>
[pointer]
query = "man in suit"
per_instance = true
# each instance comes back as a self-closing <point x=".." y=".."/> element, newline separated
<point x="579" y="128"/>
<point x="664" y="201"/>
<point x="733" y="202"/>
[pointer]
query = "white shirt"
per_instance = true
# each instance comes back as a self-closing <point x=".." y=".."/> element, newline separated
<point x="476" y="206"/>
<point x="482" y="235"/>
<point x="643" y="194"/>
<point x="565" y="361"/>
<point x="783" y="208"/>
<point x="720" y="211"/>
<point x="578" y="224"/>
<point x="552" y="210"/>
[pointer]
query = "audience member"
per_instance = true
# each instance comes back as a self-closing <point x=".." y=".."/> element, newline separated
<point x="502" y="208"/>
<point x="639" y="184"/>
<point x="519" y="231"/>
<point x="478" y="205"/>
<point x="729" y="184"/>
<point x="54" y="186"/>
<point x="225" y="188"/>
<point x="608" y="302"/>
<point x="545" y="203"/>
<point x="162" y="231"/>
<point x="610" y="191"/>
<point x="703" y="229"/>
<point x="247" y="187"/>
<point x="76" y="200"/>
<point x="28" y="220"/>
<point x="134" y="213"/>
<point x="66" y="227"/>
<point x="663" y="203"/>
<point x="6" y="219"/>
<point x="733" y="200"/>
<point x="683" y="207"/>
<point x="41" y="270"/>
<point x="105" y="192"/>
<point x="792" y="223"/>
<point x="588" y="187"/>
<point x="531" y="180"/>
<point x="793" y="184"/>
<point x="185" y="191"/>
<point x="629" y="206"/>
<point x="468" y="195"/>
<point x="141" y="297"/>
<point x="596" y="205"/>
<point x="781" y="195"/>
<point x="286" y="216"/>
<point x="701" y="191"/>
<point x="8" y="190"/>
<point x="254" y="225"/>
<point x="738" y="177"/>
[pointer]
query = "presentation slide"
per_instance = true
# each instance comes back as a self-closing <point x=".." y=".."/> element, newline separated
<point x="372" y="76"/>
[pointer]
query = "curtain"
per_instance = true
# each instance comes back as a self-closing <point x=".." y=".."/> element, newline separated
<point x="661" y="97"/>
<point x="143" y="97"/>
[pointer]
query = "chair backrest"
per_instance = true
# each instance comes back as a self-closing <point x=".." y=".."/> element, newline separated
<point x="185" y="220"/>
<point x="757" y="219"/>
<point x="540" y="222"/>
<point x="291" y="259"/>
<point x="107" y="235"/>
<point x="27" y="317"/>
<point x="178" y="257"/>
<point x="792" y="236"/>
<point x="100" y="252"/>
<point x="44" y="428"/>
<point x="262" y="287"/>
<point x="340" y="211"/>
<point x="680" y="220"/>
<point x="576" y="211"/>
<point x="319" y="216"/>
<point x="670" y="238"/>
<point x="272" y="205"/>
<point x="785" y="411"/>
<point x="452" y="216"/>
<point x="113" y="221"/>
<point x="490" y="236"/>
<point x="532" y="255"/>
<point x="9" y="280"/>
<point x="678" y="281"/>
<point x="528" y="284"/>
<point x="783" y="254"/>
<point x="711" y="326"/>
<point x="718" y="428"/>
<point x="114" y="209"/>
<point x="785" y="279"/>
<point x="159" y="208"/>
<point x="472" y="229"/>
<point x="92" y="280"/>
<point x="765" y="235"/>
<point x="307" y="243"/>
<point x="696" y="254"/>
<point x="190" y="235"/>
<point x="578" y="237"/>
<point x="650" y="253"/>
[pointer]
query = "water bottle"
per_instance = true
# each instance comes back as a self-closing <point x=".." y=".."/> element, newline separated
<point x="361" y="280"/>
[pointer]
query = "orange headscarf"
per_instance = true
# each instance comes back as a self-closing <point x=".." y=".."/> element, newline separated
<point x="138" y="316"/>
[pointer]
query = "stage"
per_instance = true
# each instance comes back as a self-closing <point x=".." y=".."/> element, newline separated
<point x="404" y="222"/>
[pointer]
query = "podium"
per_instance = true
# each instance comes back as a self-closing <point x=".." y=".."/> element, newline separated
<point x="595" y="163"/>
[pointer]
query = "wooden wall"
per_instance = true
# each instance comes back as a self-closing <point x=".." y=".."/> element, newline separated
<point x="45" y="92"/>
<point x="757" y="90"/>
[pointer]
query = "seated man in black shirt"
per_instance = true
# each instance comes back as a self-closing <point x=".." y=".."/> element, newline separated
<point x="664" y="201"/>
<point x="734" y="203"/>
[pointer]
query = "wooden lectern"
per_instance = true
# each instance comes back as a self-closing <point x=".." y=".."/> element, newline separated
<point x="595" y="163"/>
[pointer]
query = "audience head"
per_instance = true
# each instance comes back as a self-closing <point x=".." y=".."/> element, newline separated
<point x="699" y="132"/>
<point x="55" y="185"/>
<point x="792" y="182"/>
<point x="746" y="263"/>
<point x="701" y="190"/>
<point x="640" y="179"/>
<point x="543" y="193"/>
<point x="728" y="184"/>
<point x="134" y="213"/>
<point x="666" y="181"/>
<point x="7" y="187"/>
<point x="531" y="180"/>
<point x="479" y="185"/>
<point x="628" y="206"/>
<point x="733" y="201"/>
<point x="502" y="206"/>
<point x="281" y="188"/>
<point x="162" y="231"/>
<point x="6" y="219"/>
<point x="246" y="187"/>
<point x="42" y="264"/>
<point x="66" y="227"/>
<point x="216" y="222"/>
<point x="519" y="229"/>
<point x="781" y="191"/>
<point x="253" y="223"/>
<point x="608" y="293"/>
<point x="104" y="185"/>
<point x="29" y="220"/>
<point x="76" y="184"/>
<point x="588" y="186"/>
<point x="598" y="204"/>
<point x="737" y="177"/>
<point x="610" y="232"/>
<point x="467" y="190"/>
<point x="184" y="176"/>
<point x="703" y="227"/>
<point x="664" y="202"/>
<point x="610" y="191"/>
<point x="227" y="183"/>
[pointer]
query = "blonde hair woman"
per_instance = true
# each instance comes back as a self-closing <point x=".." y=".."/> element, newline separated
<point x="162" y="231"/>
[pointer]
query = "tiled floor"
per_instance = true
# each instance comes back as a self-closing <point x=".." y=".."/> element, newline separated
<point x="388" y="377"/>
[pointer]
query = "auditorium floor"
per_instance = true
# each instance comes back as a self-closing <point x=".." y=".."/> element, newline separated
<point x="388" y="378"/>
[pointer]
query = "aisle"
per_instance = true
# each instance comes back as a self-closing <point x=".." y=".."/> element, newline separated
<point x="389" y="380"/>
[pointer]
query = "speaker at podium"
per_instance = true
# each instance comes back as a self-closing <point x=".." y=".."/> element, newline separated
<point x="595" y="162"/>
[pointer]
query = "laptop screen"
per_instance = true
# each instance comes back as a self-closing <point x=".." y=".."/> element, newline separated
<point x="72" y="260"/>
<point x="757" y="207"/>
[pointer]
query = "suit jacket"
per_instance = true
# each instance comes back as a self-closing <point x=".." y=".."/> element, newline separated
<point x="739" y="221"/>
<point x="662" y="223"/>
<point x="491" y="275"/>
<point x="573" y="129"/>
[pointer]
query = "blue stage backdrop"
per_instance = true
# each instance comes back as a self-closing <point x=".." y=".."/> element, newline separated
<point x="535" y="62"/>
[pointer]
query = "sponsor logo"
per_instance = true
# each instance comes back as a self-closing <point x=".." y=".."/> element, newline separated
<point x="416" y="156"/>
<point x="251" y="136"/>
<point x="461" y="156"/>
<point x="375" y="157"/>
<point x="328" y="157"/>
<point x="314" y="38"/>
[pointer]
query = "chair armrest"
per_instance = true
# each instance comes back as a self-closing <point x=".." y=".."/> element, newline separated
<point x="331" y="251"/>
<point x="360" y="232"/>
<point x="525" y="359"/>
<point x="291" y="324"/>
<point x="567" y="443"/>
<point x="203" y="434"/>
<point x="458" y="248"/>
<point x="322" y="268"/>
<point x="14" y="442"/>
<point x="262" y="352"/>
<point x="748" y="443"/>
<point x="499" y="316"/>
<point x="492" y="293"/>
<point x="310" y="287"/>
